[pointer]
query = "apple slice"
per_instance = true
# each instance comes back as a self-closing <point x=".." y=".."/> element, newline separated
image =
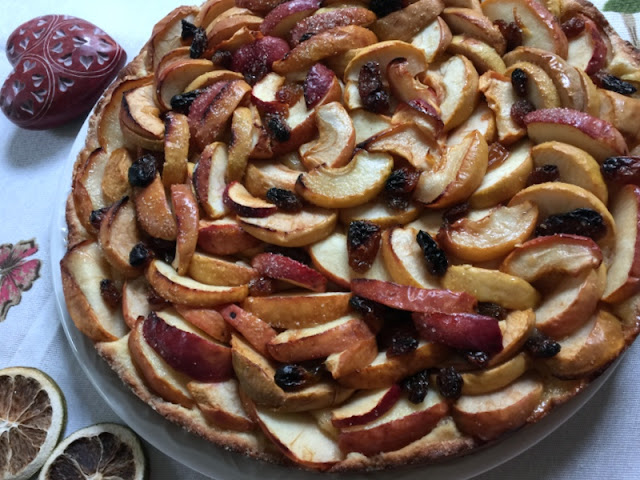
<point x="433" y="39"/>
<point x="186" y="291"/>
<point x="87" y="195"/>
<point x="214" y="270"/>
<point x="381" y="214"/>
<point x="588" y="50"/>
<point x="83" y="268"/>
<point x="496" y="378"/>
<point x="291" y="229"/>
<point x="176" y="149"/>
<point x="474" y="24"/>
<point x="256" y="375"/>
<point x="483" y="56"/>
<point x="240" y="145"/>
<point x="355" y="357"/>
<point x="208" y="179"/>
<point x="255" y="331"/>
<point x="330" y="18"/>
<point x="255" y="59"/>
<point x="413" y="299"/>
<point x="490" y="415"/>
<point x="491" y="286"/>
<point x="420" y="110"/>
<point x="590" y="348"/>
<point x="153" y="211"/>
<point x="482" y="119"/>
<point x="115" y="182"/>
<point x="575" y="166"/>
<point x="571" y="303"/>
<point x="209" y="78"/>
<point x="140" y="118"/>
<point x="220" y="404"/>
<point x="284" y="268"/>
<point x="368" y="124"/>
<point x="504" y="181"/>
<point x="284" y="17"/>
<point x="491" y="236"/>
<point x="620" y="110"/>
<point x="623" y="277"/>
<point x="300" y="344"/>
<point x="501" y="97"/>
<point x="228" y="24"/>
<point x="206" y="319"/>
<point x="299" y="310"/>
<point x="365" y="406"/>
<point x="135" y="300"/>
<point x="598" y="137"/>
<point x="406" y="141"/>
<point x="404" y="423"/>
<point x="404" y="24"/>
<point x="264" y="94"/>
<point x="174" y="77"/>
<point x="118" y="234"/>
<point x="185" y="207"/>
<point x="240" y="201"/>
<point x="321" y="86"/>
<point x="210" y="10"/>
<point x="262" y="176"/>
<point x="336" y="138"/>
<point x="166" y="35"/>
<point x="354" y="184"/>
<point x="458" y="175"/>
<point x="516" y="329"/>
<point x="541" y="91"/>
<point x="224" y="237"/>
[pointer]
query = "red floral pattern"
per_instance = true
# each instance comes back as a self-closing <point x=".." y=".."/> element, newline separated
<point x="17" y="274"/>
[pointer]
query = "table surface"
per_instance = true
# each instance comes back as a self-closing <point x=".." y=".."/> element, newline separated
<point x="600" y="441"/>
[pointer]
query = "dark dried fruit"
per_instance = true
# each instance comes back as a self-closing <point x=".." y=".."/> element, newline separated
<point x="363" y="243"/>
<point x="540" y="346"/>
<point x="519" y="110"/>
<point x="198" y="43"/>
<point x="110" y="293"/>
<point x="403" y="341"/>
<point x="188" y="29"/>
<point x="498" y="153"/>
<point x="306" y="36"/>
<point x="477" y="359"/>
<point x="519" y="80"/>
<point x="261" y="286"/>
<point x="140" y="255"/>
<point x="143" y="171"/>
<point x="293" y="377"/>
<point x="581" y="221"/>
<point x="416" y="386"/>
<point x="277" y="128"/>
<point x="399" y="186"/>
<point x="370" y="310"/>
<point x="573" y="27"/>
<point x="435" y="257"/>
<point x="543" y="174"/>
<point x="455" y="213"/>
<point x="285" y="200"/>
<point x="449" y="383"/>
<point x="511" y="32"/>
<point x="493" y="310"/>
<point x="375" y="97"/>
<point x="383" y="8"/>
<point x="96" y="217"/>
<point x="165" y="250"/>
<point x="181" y="103"/>
<point x="610" y="82"/>
<point x="621" y="170"/>
<point x="222" y="59"/>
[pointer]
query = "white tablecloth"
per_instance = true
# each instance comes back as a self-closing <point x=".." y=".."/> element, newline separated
<point x="599" y="442"/>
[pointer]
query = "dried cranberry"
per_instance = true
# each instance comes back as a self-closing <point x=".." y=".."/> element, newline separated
<point x="140" y="255"/>
<point x="363" y="243"/>
<point x="541" y="346"/>
<point x="519" y="80"/>
<point x="621" y="170"/>
<point x="261" y="286"/>
<point x="403" y="341"/>
<point x="519" y="110"/>
<point x="110" y="293"/>
<point x="573" y="27"/>
<point x="511" y="32"/>
<point x="277" y="128"/>
<point x="181" y="103"/>
<point x="188" y="29"/>
<point x="222" y="59"/>
<point x="435" y="257"/>
<point x="455" y="213"/>
<point x="449" y="382"/>
<point x="416" y="386"/>
<point x="611" y="82"/>
<point x="383" y="8"/>
<point x="198" y="43"/>
<point x="477" y="359"/>
<point x="399" y="186"/>
<point x="143" y="171"/>
<point x="543" y="174"/>
<point x="285" y="200"/>
<point x="493" y="310"/>
<point x="581" y="221"/>
<point x="96" y="217"/>
<point x="373" y="94"/>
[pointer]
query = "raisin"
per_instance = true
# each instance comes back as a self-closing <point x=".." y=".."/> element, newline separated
<point x="96" y="217"/>
<point x="611" y="82"/>
<point x="403" y="341"/>
<point x="511" y="32"/>
<point x="372" y="312"/>
<point x="581" y="221"/>
<point x="261" y="286"/>
<point x="519" y="81"/>
<point x="110" y="293"/>
<point x="573" y="27"/>
<point x="437" y="262"/>
<point x="493" y="310"/>
<point x="140" y="255"/>
<point x="541" y="346"/>
<point x="375" y="97"/>
<point x="292" y="377"/>
<point x="199" y="43"/>
<point x="363" y="243"/>
<point x="285" y="200"/>
<point x="543" y="174"/>
<point x="165" y="250"/>
<point x="222" y="59"/>
<point x="143" y="171"/>
<point x="477" y="359"/>
<point x="382" y="8"/>
<point x="306" y="36"/>
<point x="519" y="110"/>
<point x="498" y="153"/>
<point x="188" y="29"/>
<point x="449" y="382"/>
<point x="278" y="128"/>
<point x="621" y="170"/>
<point x="416" y="386"/>
<point x="455" y="213"/>
<point x="181" y="103"/>
<point x="399" y="186"/>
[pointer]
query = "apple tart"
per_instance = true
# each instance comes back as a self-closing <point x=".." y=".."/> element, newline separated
<point x="351" y="234"/>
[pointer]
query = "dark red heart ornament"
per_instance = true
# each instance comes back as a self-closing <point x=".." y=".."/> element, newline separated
<point x="61" y="66"/>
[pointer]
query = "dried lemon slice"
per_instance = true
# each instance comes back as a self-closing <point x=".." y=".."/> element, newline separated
<point x="105" y="450"/>
<point x="32" y="415"/>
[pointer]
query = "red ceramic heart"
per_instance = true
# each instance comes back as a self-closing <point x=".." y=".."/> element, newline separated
<point x="61" y="66"/>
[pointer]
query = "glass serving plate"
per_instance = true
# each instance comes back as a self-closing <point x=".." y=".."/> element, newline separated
<point x="221" y="464"/>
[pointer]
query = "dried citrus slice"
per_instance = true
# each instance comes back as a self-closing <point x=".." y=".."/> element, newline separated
<point x="105" y="450"/>
<point x="32" y="415"/>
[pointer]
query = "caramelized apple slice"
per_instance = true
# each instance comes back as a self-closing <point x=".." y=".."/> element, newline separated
<point x="483" y="56"/>
<point x="166" y="35"/>
<point x="176" y="149"/>
<point x="153" y="211"/>
<point x="336" y="138"/>
<point x="496" y="378"/>
<point x="240" y="201"/>
<point x="118" y="234"/>
<point x="254" y="330"/>
<point x="516" y="329"/>
<point x="220" y="404"/>
<point x="140" y="118"/>
<point x="135" y="300"/>
<point x="284" y="268"/>
<point x="355" y="357"/>
<point x="262" y="176"/>
<point x="474" y="24"/>
<point x="330" y="18"/>
<point x="187" y="219"/>
<point x="405" y="23"/>
<point x="501" y="97"/>
<point x="365" y="406"/>
<point x="406" y="141"/>
<point x="115" y="182"/>
<point x="174" y="77"/>
<point x="206" y="319"/>
<point x="284" y="17"/>
<point x="224" y="237"/>
<point x="208" y="179"/>
<point x="214" y="270"/>
<point x="86" y="192"/>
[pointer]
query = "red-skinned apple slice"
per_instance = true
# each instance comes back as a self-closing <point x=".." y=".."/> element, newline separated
<point x="405" y="23"/>
<point x="588" y="50"/>
<point x="423" y="113"/>
<point x="335" y="17"/>
<point x="285" y="16"/>
<point x="365" y="406"/>
<point x="240" y="201"/>
<point x="321" y="86"/>
<point x="240" y="145"/>
<point x="255" y="331"/>
<point x="264" y="94"/>
<point x="224" y="237"/>
<point x="220" y="403"/>
<point x="255" y="60"/>
<point x="208" y="179"/>
<point x="516" y="329"/>
<point x="433" y="39"/>
<point x="281" y="267"/>
<point x="413" y="299"/>
<point x="206" y="319"/>
<point x="185" y="207"/>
